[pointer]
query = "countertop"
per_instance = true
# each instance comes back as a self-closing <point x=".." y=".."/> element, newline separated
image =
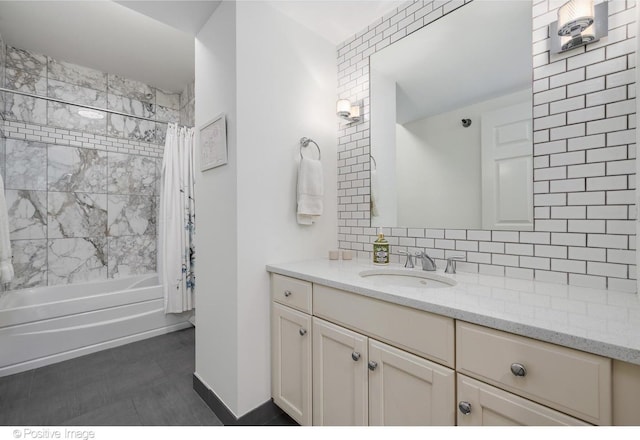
<point x="603" y="322"/>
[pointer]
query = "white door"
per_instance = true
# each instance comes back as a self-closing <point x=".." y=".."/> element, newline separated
<point x="291" y="362"/>
<point x="480" y="404"/>
<point x="406" y="390"/>
<point x="340" y="392"/>
<point x="507" y="168"/>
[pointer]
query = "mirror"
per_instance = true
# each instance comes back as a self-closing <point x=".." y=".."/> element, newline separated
<point x="451" y="122"/>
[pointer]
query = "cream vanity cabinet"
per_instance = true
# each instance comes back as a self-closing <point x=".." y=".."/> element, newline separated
<point x="368" y="364"/>
<point x="291" y="347"/>
<point x="340" y="358"/>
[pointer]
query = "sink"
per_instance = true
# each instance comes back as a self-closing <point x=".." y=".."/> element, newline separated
<point x="407" y="278"/>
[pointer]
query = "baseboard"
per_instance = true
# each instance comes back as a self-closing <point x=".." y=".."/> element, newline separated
<point x="259" y="416"/>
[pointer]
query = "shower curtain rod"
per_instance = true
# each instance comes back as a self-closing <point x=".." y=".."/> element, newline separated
<point x="91" y="107"/>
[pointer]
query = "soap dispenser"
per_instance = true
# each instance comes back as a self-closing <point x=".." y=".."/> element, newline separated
<point x="380" y="250"/>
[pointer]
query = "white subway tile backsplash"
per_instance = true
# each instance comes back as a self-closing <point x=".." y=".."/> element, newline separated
<point x="587" y="281"/>
<point x="587" y="254"/>
<point x="491" y="246"/>
<point x="505" y="260"/>
<point x="588" y="226"/>
<point x="518" y="249"/>
<point x="607" y="67"/>
<point x="607" y="269"/>
<point x="608" y="241"/>
<point x="586" y="59"/>
<point x="588" y="170"/>
<point x="570" y="266"/>
<point x="586" y="198"/>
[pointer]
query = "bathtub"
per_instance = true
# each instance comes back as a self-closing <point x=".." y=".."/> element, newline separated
<point x="46" y="325"/>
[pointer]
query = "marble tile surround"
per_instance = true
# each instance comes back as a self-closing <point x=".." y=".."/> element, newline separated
<point x="80" y="207"/>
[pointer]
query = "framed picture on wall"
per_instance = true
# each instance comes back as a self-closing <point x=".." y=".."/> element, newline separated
<point x="213" y="143"/>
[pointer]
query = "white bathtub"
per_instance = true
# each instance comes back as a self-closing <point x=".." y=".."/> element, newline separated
<point x="50" y="324"/>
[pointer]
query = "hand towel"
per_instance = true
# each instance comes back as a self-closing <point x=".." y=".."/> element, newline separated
<point x="374" y="197"/>
<point x="310" y="191"/>
<point x="6" y="267"/>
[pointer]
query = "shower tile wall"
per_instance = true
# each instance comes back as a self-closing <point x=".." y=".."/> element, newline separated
<point x="584" y="187"/>
<point x="82" y="194"/>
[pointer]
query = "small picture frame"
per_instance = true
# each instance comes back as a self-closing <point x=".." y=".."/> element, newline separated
<point x="213" y="143"/>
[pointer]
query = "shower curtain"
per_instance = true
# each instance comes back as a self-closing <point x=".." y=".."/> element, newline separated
<point x="176" y="251"/>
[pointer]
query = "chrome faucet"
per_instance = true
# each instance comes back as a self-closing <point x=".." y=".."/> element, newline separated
<point x="409" y="263"/>
<point x="451" y="264"/>
<point x="428" y="263"/>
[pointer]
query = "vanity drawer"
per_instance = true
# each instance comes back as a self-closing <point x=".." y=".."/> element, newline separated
<point x="423" y="333"/>
<point x="291" y="292"/>
<point x="568" y="380"/>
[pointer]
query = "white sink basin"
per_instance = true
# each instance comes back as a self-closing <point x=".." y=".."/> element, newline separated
<point x="407" y="278"/>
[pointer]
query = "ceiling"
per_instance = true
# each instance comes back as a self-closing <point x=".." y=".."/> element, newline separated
<point x="479" y="52"/>
<point x="152" y="41"/>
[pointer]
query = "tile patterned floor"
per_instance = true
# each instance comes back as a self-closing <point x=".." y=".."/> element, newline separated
<point x="144" y="383"/>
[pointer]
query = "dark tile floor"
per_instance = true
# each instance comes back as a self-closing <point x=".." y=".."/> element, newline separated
<point x="144" y="383"/>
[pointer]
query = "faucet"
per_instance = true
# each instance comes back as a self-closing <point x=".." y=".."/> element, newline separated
<point x="451" y="264"/>
<point x="427" y="262"/>
<point x="409" y="263"/>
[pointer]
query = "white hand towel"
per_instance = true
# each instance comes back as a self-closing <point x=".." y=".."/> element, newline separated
<point x="6" y="267"/>
<point x="310" y="191"/>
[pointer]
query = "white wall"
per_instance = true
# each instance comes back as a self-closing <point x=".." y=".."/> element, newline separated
<point x="439" y="173"/>
<point x="285" y="89"/>
<point x="216" y="210"/>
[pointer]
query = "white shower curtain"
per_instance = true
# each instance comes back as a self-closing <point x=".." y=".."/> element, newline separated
<point x="176" y="252"/>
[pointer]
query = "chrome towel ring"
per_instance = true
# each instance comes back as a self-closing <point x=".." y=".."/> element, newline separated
<point x="304" y="142"/>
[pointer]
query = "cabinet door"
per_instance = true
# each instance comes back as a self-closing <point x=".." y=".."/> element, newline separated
<point x="480" y="404"/>
<point x="291" y="362"/>
<point x="406" y="390"/>
<point x="339" y="376"/>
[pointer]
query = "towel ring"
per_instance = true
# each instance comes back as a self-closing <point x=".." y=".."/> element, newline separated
<point x="375" y="164"/>
<point x="304" y="142"/>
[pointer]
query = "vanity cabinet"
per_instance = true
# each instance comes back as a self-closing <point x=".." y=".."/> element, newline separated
<point x="358" y="381"/>
<point x="291" y="355"/>
<point x="571" y="381"/>
<point x="480" y="404"/>
<point x="340" y="358"/>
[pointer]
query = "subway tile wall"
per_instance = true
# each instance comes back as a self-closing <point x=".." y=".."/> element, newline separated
<point x="82" y="195"/>
<point x="584" y="157"/>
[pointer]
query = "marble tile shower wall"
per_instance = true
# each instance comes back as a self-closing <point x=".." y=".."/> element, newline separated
<point x="584" y="157"/>
<point x="82" y="194"/>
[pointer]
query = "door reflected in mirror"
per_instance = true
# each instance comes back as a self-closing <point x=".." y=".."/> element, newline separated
<point x="451" y="122"/>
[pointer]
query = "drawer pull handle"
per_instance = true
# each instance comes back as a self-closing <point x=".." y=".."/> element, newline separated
<point x="464" y="407"/>
<point x="302" y="332"/>
<point x="355" y="356"/>
<point x="373" y="365"/>
<point x="518" y="370"/>
<point x="287" y="293"/>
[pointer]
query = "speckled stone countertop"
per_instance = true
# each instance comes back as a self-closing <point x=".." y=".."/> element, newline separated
<point x="603" y="322"/>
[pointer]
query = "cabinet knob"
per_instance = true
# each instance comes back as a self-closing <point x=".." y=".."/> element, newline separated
<point x="302" y="332"/>
<point x="518" y="370"/>
<point x="355" y="356"/>
<point x="287" y="293"/>
<point x="373" y="365"/>
<point x="464" y="407"/>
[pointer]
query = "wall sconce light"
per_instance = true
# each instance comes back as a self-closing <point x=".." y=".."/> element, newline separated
<point x="580" y="22"/>
<point x="346" y="111"/>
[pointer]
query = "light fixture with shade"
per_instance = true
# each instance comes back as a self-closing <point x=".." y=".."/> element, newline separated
<point x="580" y="22"/>
<point x="347" y="111"/>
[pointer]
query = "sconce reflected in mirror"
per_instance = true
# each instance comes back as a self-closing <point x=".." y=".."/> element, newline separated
<point x="580" y="22"/>
<point x="347" y="111"/>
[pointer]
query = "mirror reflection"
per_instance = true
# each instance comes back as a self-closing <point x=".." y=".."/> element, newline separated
<point x="451" y="122"/>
